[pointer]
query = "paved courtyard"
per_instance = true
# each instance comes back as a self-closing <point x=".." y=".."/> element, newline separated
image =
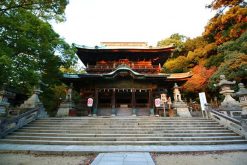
<point x="133" y="158"/>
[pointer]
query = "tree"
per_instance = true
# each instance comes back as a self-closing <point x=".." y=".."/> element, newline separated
<point x="192" y="44"/>
<point x="203" y="52"/>
<point x="176" y="40"/>
<point x="29" y="45"/>
<point x="199" y="79"/>
<point x="30" y="49"/>
<point x="45" y="9"/>
<point x="176" y="65"/>
<point x="219" y="4"/>
<point x="229" y="25"/>
<point x="234" y="63"/>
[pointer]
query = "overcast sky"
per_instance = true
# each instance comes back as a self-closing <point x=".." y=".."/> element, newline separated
<point x="91" y="21"/>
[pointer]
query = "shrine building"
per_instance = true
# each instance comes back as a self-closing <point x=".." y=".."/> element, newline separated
<point x="123" y="78"/>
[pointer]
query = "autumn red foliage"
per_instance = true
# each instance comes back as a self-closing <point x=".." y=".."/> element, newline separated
<point x="199" y="79"/>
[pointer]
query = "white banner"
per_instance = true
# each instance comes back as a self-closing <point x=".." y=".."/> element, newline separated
<point x="203" y="100"/>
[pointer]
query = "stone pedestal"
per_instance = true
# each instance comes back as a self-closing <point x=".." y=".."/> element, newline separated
<point x="67" y="104"/>
<point x="182" y="109"/>
<point x="179" y="105"/>
<point x="64" y="109"/>
<point x="242" y="94"/>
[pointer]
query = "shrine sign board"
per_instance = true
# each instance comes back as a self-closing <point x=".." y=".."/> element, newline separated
<point x="157" y="102"/>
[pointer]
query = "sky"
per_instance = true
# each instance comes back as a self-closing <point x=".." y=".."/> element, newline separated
<point x="89" y="22"/>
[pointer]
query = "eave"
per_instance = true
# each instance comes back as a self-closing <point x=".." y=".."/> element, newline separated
<point x="156" y="55"/>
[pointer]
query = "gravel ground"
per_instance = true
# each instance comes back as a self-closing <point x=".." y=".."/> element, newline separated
<point x="32" y="159"/>
<point x="217" y="158"/>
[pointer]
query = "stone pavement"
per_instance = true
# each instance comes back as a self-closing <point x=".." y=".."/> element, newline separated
<point x="118" y="148"/>
<point x="136" y="158"/>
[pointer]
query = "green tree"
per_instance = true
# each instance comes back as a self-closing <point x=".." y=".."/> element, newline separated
<point x="234" y="64"/>
<point x="30" y="45"/>
<point x="192" y="44"/>
<point x="176" y="65"/>
<point x="177" y="40"/>
<point x="45" y="9"/>
<point x="29" y="48"/>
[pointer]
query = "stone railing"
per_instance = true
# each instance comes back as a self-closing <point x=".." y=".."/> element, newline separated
<point x="233" y="113"/>
<point x="227" y="121"/>
<point x="12" y="124"/>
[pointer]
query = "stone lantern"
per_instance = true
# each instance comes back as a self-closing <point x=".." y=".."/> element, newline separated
<point x="34" y="101"/>
<point x="242" y="94"/>
<point x="4" y="104"/>
<point x="229" y="104"/>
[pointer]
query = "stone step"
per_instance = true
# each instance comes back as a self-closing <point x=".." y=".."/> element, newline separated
<point x="124" y="132"/>
<point x="117" y="130"/>
<point x="121" y="123"/>
<point x="199" y="134"/>
<point x="122" y="126"/>
<point x="126" y="117"/>
<point x="123" y="120"/>
<point x="51" y="138"/>
<point x="193" y="142"/>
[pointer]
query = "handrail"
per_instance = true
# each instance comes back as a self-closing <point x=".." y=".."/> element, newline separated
<point x="9" y="125"/>
<point x="229" y="122"/>
<point x="226" y="117"/>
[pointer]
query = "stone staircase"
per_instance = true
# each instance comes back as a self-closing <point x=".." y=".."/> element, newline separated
<point x="123" y="131"/>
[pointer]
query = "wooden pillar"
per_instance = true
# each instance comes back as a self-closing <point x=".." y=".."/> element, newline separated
<point x="150" y="101"/>
<point x="95" y="105"/>
<point x="133" y="102"/>
<point x="113" y="102"/>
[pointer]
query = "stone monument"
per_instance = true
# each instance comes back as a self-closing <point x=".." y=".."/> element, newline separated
<point x="242" y="94"/>
<point x="178" y="104"/>
<point x="67" y="104"/>
<point x="229" y="104"/>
